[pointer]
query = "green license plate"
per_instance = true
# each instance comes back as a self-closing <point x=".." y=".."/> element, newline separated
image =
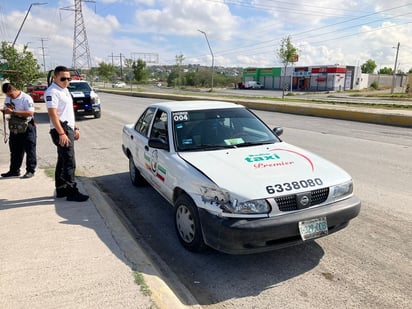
<point x="313" y="228"/>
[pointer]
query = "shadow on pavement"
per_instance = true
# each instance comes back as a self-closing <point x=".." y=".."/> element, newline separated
<point x="211" y="276"/>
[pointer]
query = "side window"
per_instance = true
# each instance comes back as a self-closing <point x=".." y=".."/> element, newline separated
<point x="159" y="128"/>
<point x="142" y="125"/>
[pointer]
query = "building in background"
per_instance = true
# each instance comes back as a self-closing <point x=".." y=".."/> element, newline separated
<point x="318" y="78"/>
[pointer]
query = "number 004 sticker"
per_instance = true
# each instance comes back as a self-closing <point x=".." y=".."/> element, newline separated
<point x="180" y="116"/>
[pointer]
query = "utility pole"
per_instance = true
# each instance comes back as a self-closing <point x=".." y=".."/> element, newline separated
<point x="121" y="63"/>
<point x="394" y="69"/>
<point x="24" y="20"/>
<point x="211" y="52"/>
<point x="42" y="48"/>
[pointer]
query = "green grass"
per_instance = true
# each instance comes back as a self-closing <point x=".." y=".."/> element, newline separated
<point x="139" y="280"/>
<point x="49" y="171"/>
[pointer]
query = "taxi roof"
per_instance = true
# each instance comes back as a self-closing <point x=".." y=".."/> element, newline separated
<point x="174" y="106"/>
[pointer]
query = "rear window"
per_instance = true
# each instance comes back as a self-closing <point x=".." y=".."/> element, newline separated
<point x="40" y="87"/>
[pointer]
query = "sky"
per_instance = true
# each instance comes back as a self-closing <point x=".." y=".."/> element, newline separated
<point x="241" y="33"/>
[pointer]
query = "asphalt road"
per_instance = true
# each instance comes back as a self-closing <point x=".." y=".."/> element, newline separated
<point x="367" y="265"/>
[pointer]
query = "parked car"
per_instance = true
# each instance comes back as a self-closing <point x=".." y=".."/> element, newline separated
<point x="37" y="92"/>
<point x="119" y="85"/>
<point x="85" y="100"/>
<point x="234" y="184"/>
<point x="253" y="85"/>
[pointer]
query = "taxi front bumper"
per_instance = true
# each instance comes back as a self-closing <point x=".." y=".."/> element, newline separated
<point x="244" y="236"/>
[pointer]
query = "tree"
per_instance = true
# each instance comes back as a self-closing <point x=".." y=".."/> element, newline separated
<point x="128" y="65"/>
<point x="368" y="67"/>
<point x="287" y="53"/>
<point x="139" y="70"/>
<point x="22" y="68"/>
<point x="386" y="70"/>
<point x="179" y="62"/>
<point x="106" y="71"/>
<point x="172" y="79"/>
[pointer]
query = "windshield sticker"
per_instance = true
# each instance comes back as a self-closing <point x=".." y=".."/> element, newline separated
<point x="234" y="141"/>
<point x="180" y="116"/>
<point x="274" y="159"/>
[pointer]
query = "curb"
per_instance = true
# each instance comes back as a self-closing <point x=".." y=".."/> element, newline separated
<point x="161" y="293"/>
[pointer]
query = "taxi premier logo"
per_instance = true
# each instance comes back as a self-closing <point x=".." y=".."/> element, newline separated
<point x="264" y="160"/>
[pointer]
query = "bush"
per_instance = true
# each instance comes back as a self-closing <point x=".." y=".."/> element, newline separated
<point x="375" y="85"/>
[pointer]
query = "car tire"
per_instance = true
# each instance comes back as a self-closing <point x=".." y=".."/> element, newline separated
<point x="97" y="115"/>
<point x="187" y="223"/>
<point x="135" y="176"/>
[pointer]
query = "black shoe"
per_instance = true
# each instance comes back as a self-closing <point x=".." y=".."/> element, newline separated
<point x="10" y="174"/>
<point x="28" y="175"/>
<point x="77" y="197"/>
<point x="61" y="192"/>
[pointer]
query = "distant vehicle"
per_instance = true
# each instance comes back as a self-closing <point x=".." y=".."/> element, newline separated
<point x="119" y="85"/>
<point x="85" y="99"/>
<point x="37" y="92"/>
<point x="251" y="84"/>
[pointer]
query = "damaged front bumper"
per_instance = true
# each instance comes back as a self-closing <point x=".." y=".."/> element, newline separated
<point x="244" y="236"/>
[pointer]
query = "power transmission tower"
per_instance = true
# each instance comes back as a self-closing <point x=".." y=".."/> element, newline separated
<point x="81" y="52"/>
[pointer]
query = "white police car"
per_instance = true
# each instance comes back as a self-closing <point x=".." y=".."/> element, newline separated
<point x="235" y="186"/>
<point x="85" y="100"/>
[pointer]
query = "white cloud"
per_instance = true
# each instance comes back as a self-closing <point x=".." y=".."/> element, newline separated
<point x="325" y="31"/>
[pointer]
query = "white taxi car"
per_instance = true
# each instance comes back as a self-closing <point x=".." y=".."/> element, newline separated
<point x="234" y="184"/>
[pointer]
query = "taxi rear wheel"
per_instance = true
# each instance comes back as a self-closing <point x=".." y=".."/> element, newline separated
<point x="187" y="224"/>
<point x="135" y="176"/>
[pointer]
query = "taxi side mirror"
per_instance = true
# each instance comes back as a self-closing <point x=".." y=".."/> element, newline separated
<point x="278" y="131"/>
<point x="158" y="144"/>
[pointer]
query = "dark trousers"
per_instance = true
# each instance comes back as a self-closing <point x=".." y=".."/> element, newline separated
<point x="22" y="143"/>
<point x="64" y="175"/>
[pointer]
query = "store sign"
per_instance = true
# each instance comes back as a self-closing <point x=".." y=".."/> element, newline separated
<point x="301" y="74"/>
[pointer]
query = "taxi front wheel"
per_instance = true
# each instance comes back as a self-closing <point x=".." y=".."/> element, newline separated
<point x="188" y="224"/>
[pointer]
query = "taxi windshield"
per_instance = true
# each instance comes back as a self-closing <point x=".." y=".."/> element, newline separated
<point x="219" y="128"/>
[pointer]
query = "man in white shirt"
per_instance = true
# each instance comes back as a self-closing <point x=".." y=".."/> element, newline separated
<point x="64" y="132"/>
<point x="20" y="107"/>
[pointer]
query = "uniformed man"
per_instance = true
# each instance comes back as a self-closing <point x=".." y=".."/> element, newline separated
<point x="64" y="132"/>
<point x="23" y="133"/>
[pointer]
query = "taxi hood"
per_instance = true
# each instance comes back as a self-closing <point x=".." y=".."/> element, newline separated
<point x="247" y="171"/>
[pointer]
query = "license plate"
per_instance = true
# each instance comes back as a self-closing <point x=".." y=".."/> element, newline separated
<point x="313" y="228"/>
<point x="80" y="110"/>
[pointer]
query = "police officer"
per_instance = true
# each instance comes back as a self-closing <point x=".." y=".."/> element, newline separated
<point x="64" y="132"/>
<point x="20" y="105"/>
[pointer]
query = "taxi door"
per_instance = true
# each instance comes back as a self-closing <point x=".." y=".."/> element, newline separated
<point x="156" y="158"/>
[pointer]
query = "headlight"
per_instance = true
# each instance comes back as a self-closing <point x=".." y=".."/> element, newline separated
<point x="95" y="100"/>
<point x="252" y="207"/>
<point x="339" y="191"/>
<point x="221" y="198"/>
